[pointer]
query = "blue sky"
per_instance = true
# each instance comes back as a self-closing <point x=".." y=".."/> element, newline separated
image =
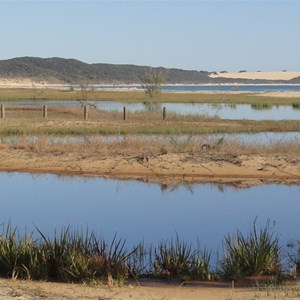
<point x="199" y="35"/>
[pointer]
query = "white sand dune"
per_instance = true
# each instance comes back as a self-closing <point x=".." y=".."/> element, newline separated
<point x="280" y="75"/>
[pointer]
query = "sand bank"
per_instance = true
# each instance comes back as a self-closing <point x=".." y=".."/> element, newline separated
<point x="240" y="170"/>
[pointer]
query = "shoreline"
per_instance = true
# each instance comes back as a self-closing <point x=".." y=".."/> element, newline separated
<point x="236" y="170"/>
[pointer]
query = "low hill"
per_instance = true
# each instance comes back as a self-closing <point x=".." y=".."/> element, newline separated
<point x="71" y="71"/>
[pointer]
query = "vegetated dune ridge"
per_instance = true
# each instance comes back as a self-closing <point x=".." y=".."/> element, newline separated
<point x="56" y="70"/>
<point x="240" y="170"/>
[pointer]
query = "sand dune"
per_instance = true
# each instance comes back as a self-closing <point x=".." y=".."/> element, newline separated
<point x="280" y="75"/>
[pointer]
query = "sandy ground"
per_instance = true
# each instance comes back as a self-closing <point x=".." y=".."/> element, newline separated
<point x="25" y="290"/>
<point x="280" y="75"/>
<point x="240" y="170"/>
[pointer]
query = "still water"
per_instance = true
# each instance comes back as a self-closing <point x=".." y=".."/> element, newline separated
<point x="150" y="212"/>
<point x="223" y="111"/>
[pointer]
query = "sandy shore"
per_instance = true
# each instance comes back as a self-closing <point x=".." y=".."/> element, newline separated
<point x="29" y="290"/>
<point x="243" y="170"/>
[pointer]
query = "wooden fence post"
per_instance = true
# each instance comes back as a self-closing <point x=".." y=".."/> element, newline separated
<point x="85" y="112"/>
<point x="45" y="111"/>
<point x="164" y="113"/>
<point x="2" y="111"/>
<point x="124" y="113"/>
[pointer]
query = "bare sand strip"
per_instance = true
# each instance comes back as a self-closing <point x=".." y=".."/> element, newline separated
<point x="240" y="170"/>
<point x="277" y="75"/>
<point x="29" y="290"/>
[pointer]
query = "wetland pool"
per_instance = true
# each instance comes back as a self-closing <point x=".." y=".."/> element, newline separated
<point x="152" y="213"/>
<point x="222" y="110"/>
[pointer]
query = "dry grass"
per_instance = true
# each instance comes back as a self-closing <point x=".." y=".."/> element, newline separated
<point x="138" y="146"/>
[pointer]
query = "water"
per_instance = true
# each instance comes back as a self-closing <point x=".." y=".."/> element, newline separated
<point x="209" y="87"/>
<point x="150" y="212"/>
<point x="223" y="111"/>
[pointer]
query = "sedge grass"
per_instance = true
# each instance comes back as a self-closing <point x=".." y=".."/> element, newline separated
<point x="76" y="256"/>
<point x="253" y="255"/>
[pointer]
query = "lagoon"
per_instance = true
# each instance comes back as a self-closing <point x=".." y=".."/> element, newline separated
<point x="139" y="211"/>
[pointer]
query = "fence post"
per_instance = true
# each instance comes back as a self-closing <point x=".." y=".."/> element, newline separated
<point x="45" y="111"/>
<point x="2" y="111"/>
<point x="124" y="113"/>
<point x="164" y="113"/>
<point x="85" y="112"/>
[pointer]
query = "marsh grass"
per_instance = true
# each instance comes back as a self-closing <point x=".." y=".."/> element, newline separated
<point x="177" y="259"/>
<point x="294" y="258"/>
<point x="77" y="256"/>
<point x="253" y="255"/>
<point x="7" y="94"/>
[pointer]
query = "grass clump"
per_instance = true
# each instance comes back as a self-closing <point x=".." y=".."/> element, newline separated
<point x="252" y="255"/>
<point x="177" y="259"/>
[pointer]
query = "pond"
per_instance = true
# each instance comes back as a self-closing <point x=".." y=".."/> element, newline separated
<point x="223" y="111"/>
<point x="138" y="211"/>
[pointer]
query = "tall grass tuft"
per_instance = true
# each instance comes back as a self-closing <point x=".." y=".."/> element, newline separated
<point x="252" y="255"/>
<point x="177" y="259"/>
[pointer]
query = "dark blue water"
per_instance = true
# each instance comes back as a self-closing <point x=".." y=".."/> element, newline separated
<point x="150" y="212"/>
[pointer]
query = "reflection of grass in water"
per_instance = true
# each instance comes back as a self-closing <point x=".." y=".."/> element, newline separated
<point x="261" y="106"/>
<point x="296" y="105"/>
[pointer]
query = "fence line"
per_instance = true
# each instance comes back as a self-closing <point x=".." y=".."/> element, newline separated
<point x="85" y="112"/>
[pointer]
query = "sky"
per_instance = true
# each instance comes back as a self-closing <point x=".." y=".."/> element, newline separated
<point x="194" y="35"/>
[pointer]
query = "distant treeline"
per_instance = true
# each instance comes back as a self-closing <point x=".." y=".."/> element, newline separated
<point x="72" y="71"/>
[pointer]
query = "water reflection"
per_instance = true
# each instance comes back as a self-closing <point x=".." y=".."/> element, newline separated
<point x="138" y="211"/>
